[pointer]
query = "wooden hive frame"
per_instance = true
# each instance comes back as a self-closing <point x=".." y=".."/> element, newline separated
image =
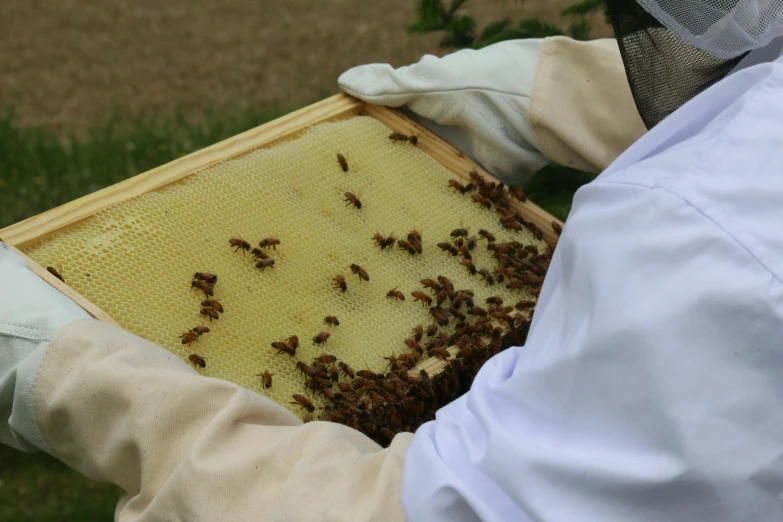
<point x="337" y="107"/>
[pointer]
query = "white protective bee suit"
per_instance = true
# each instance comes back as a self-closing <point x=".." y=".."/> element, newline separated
<point x="651" y="385"/>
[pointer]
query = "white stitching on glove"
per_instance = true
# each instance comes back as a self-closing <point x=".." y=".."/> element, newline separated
<point x="31" y="312"/>
<point x="483" y="96"/>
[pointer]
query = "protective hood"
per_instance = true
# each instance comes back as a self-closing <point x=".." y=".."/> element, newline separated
<point x="675" y="49"/>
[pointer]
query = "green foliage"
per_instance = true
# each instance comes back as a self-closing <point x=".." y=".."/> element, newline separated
<point x="40" y="170"/>
<point x="460" y="30"/>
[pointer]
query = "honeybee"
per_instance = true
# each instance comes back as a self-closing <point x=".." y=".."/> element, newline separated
<point x="339" y="282"/>
<point x="397" y="136"/>
<point x="331" y="320"/>
<point x="267" y="378"/>
<point x="557" y="228"/>
<point x="414" y="237"/>
<point x="239" y="244"/>
<point x="441" y="353"/>
<point x="205" y="287"/>
<point x="486" y="276"/>
<point x="201" y="330"/>
<point x="432" y="330"/>
<point x="465" y="252"/>
<point x="469" y="265"/>
<point x="517" y="193"/>
<point x="283" y="347"/>
<point x="308" y="417"/>
<point x="352" y="200"/>
<point x="441" y="296"/>
<point x="431" y="284"/>
<point x="205" y="276"/>
<point x="418" y="332"/>
<point x="477" y="311"/>
<point x="189" y="337"/>
<point x="306" y="370"/>
<point x="395" y="294"/>
<point x="384" y="243"/>
<point x="459" y="232"/>
<point x="361" y="272"/>
<point x="257" y="253"/>
<point x="365" y="374"/>
<point x="515" y="285"/>
<point x="447" y="285"/>
<point x="346" y="370"/>
<point x="448" y="247"/>
<point x="482" y="201"/>
<point x="265" y="263"/>
<point x="511" y="224"/>
<point x="456" y="185"/>
<point x="209" y="312"/>
<point x="524" y="305"/>
<point x="486" y="235"/>
<point x="303" y="401"/>
<point x="440" y="315"/>
<point x="197" y="360"/>
<point x="321" y="338"/>
<point x="414" y="345"/>
<point x="334" y="373"/>
<point x="494" y="300"/>
<point x="418" y="295"/>
<point x="326" y="359"/>
<point x="269" y="242"/>
<point x="211" y="303"/>
<point x="477" y="178"/>
<point x="55" y="273"/>
<point x="293" y="342"/>
<point x="407" y="245"/>
<point x="342" y="161"/>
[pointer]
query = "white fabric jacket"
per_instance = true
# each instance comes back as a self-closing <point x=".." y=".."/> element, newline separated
<point x="651" y="385"/>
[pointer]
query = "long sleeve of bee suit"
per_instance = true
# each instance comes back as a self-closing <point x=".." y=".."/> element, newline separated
<point x="181" y="446"/>
<point x="516" y="105"/>
<point x="649" y="388"/>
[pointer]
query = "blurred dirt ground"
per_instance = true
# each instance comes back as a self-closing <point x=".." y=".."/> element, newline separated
<point x="68" y="63"/>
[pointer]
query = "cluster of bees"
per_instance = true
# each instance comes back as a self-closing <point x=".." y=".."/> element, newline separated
<point x="381" y="405"/>
<point x="260" y="254"/>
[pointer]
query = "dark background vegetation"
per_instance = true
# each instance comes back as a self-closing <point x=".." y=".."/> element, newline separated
<point x="94" y="92"/>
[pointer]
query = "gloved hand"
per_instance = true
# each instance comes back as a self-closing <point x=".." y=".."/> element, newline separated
<point x="482" y="96"/>
<point x="31" y="312"/>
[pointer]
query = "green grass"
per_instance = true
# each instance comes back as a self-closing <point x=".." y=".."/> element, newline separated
<point x="39" y="170"/>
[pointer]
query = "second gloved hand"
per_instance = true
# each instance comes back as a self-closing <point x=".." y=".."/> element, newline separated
<point x="483" y="96"/>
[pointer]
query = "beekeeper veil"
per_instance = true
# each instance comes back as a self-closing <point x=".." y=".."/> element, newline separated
<point x="674" y="49"/>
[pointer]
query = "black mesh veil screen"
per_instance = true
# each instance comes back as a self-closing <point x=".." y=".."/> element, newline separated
<point x="664" y="72"/>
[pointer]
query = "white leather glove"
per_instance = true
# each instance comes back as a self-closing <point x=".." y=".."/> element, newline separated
<point x="31" y="312"/>
<point x="480" y="99"/>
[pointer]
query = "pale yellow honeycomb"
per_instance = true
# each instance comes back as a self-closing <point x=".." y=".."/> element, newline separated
<point x="135" y="260"/>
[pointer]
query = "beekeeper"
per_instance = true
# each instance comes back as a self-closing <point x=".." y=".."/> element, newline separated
<point x="651" y="384"/>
